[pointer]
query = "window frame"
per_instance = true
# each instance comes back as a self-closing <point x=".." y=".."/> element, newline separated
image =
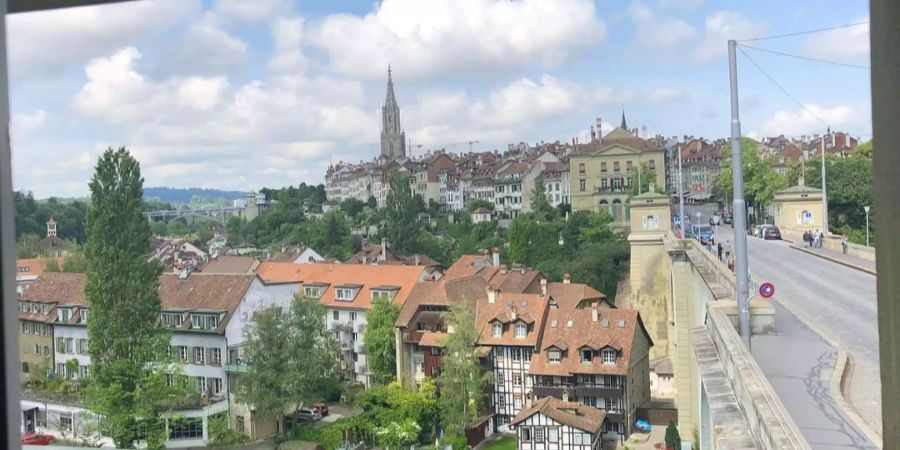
<point x="497" y="329"/>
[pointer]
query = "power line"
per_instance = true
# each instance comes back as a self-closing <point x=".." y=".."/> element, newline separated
<point x="788" y="94"/>
<point x="807" y="58"/>
<point x="817" y="30"/>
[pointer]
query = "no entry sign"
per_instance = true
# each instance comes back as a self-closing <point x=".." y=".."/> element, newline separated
<point x="767" y="289"/>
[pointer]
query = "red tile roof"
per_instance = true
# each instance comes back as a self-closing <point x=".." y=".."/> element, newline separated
<point x="575" y="415"/>
<point x="510" y="309"/>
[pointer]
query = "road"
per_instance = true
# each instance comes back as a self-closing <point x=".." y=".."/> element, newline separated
<point x="841" y="303"/>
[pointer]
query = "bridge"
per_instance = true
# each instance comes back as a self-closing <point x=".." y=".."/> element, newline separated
<point x="790" y="389"/>
<point x="219" y="214"/>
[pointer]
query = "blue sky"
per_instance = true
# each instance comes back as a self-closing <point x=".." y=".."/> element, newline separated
<point x="240" y="95"/>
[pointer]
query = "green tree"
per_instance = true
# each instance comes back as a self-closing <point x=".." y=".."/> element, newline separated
<point x="177" y="227"/>
<point x="291" y="356"/>
<point x="642" y="179"/>
<point x="462" y="381"/>
<point x="673" y="439"/>
<point x="390" y="403"/>
<point x="52" y="265"/>
<point x="397" y="435"/>
<point x="761" y="180"/>
<point x="540" y="205"/>
<point x="371" y="202"/>
<point x="480" y="203"/>
<point x="160" y="228"/>
<point x="76" y="262"/>
<point x="128" y="351"/>
<point x="28" y="246"/>
<point x="352" y="207"/>
<point x="401" y="210"/>
<point x="379" y="340"/>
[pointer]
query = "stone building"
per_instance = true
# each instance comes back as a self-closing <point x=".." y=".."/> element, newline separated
<point x="393" y="138"/>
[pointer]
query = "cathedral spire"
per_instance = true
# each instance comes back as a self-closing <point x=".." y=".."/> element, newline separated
<point x="389" y="98"/>
<point x="623" y="126"/>
<point x="393" y="139"/>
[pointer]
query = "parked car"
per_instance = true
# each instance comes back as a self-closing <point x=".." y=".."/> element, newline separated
<point x="309" y="414"/>
<point x="321" y="407"/>
<point x="726" y="219"/>
<point x="771" y="232"/>
<point x="703" y="233"/>
<point x="37" y="439"/>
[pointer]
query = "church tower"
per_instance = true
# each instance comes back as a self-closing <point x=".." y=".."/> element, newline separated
<point x="393" y="138"/>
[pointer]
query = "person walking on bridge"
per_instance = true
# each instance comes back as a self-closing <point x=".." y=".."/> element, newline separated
<point x="720" y="249"/>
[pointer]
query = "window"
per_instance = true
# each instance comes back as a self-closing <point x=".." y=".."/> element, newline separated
<point x="652" y="164"/>
<point x="552" y="434"/>
<point x="83" y="315"/>
<point x="581" y="185"/>
<point x="515" y="354"/>
<point x="581" y="168"/>
<point x="239" y="424"/>
<point x="62" y="314"/>
<point x="336" y="315"/>
<point x="521" y="330"/>
<point x="65" y="421"/>
<point x="61" y="370"/>
<point x="609" y="356"/>
<point x="215" y="356"/>
<point x="171" y="320"/>
<point x="170" y="380"/>
<point x="628" y="181"/>
<point x="616" y="166"/>
<point x="186" y="428"/>
<point x="353" y="337"/>
<point x="197" y="353"/>
<point x="525" y="434"/>
<point x="352" y="316"/>
<point x="587" y="355"/>
<point x="517" y="401"/>
<point x="538" y="434"/>
<point x="82" y="346"/>
<point x="84" y="372"/>
<point x="37" y="349"/>
<point x="497" y="329"/>
<point x="60" y="345"/>
<point x="204" y="321"/>
<point x="201" y="385"/>
<point x="182" y="353"/>
<point x="435" y="351"/>
<point x="628" y="166"/>
<point x="70" y="345"/>
<point x="344" y="294"/>
<point x="517" y="379"/>
<point x="603" y="166"/>
<point x="310" y="291"/>
<point x="47" y="351"/>
<point x="554" y="356"/>
<point x="499" y="374"/>
<point x="604" y="183"/>
<point x="215" y="385"/>
<point x="24" y="367"/>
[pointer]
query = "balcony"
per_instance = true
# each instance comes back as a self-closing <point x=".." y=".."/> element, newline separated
<point x="578" y="390"/>
<point x="613" y="189"/>
<point x="237" y="367"/>
<point x="337" y="325"/>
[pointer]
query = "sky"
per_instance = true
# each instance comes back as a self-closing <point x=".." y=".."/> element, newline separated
<point x="240" y="95"/>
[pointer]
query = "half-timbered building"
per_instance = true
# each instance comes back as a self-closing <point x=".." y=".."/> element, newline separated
<point x="554" y="424"/>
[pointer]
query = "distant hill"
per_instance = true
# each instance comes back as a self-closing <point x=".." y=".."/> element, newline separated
<point x="185" y="195"/>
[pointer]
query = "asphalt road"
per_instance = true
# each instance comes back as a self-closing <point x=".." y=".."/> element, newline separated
<point x="841" y="303"/>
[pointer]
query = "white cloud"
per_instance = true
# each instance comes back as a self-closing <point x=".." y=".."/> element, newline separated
<point x="421" y="38"/>
<point x="686" y="4"/>
<point x="46" y="43"/>
<point x="23" y="124"/>
<point x="509" y="113"/>
<point x="655" y="32"/>
<point x="852" y="42"/>
<point x="251" y="11"/>
<point x="287" y="35"/>
<point x="664" y="95"/>
<point x="722" y="26"/>
<point x="205" y="47"/>
<point x="799" y="122"/>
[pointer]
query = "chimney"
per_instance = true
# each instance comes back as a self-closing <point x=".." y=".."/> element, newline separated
<point x="567" y="278"/>
<point x="543" y="287"/>
<point x="496" y="259"/>
<point x="565" y="395"/>
<point x="512" y="312"/>
<point x="384" y="246"/>
<point x="492" y="295"/>
<point x="595" y="314"/>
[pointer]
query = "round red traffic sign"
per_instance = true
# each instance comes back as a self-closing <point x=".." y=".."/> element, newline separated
<point x="767" y="289"/>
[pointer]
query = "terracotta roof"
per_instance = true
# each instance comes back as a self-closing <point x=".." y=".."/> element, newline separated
<point x="231" y="264"/>
<point x="441" y="293"/>
<point x="468" y="265"/>
<point x="615" y="328"/>
<point x="57" y="287"/>
<point x="569" y="295"/>
<point x="509" y="309"/>
<point x="433" y="339"/>
<point x="332" y="275"/>
<point x="634" y="143"/>
<point x="34" y="266"/>
<point x="514" y="280"/>
<point x="201" y="291"/>
<point x="575" y="415"/>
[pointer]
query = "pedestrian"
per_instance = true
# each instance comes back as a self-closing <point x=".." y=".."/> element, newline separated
<point x="815" y="242"/>
<point x="844" y="243"/>
<point x="807" y="238"/>
<point x="729" y="258"/>
<point x="821" y="238"/>
<point x="719" y="247"/>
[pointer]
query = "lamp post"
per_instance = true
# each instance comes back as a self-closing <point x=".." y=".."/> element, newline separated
<point x="867" y="224"/>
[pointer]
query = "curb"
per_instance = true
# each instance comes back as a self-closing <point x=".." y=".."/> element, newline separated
<point x="835" y="260"/>
<point x="840" y="376"/>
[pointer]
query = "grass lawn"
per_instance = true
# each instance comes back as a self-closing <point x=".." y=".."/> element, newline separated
<point x="504" y="443"/>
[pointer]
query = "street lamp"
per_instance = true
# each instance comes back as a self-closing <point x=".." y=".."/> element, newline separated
<point x="867" y="224"/>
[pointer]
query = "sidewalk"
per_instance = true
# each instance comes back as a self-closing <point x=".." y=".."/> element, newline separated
<point x="840" y="258"/>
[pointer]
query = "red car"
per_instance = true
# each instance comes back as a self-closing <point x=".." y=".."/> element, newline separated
<point x="37" y="439"/>
<point x="321" y="407"/>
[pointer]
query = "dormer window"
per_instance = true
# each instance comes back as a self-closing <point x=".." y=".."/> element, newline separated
<point x="171" y="320"/>
<point x="609" y="356"/>
<point x="497" y="329"/>
<point x="204" y="321"/>
<point x="554" y="356"/>
<point x="312" y="291"/>
<point x="521" y="330"/>
<point x="83" y="315"/>
<point x="587" y="355"/>
<point x="63" y="314"/>
<point x="381" y="295"/>
<point x="344" y="294"/>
